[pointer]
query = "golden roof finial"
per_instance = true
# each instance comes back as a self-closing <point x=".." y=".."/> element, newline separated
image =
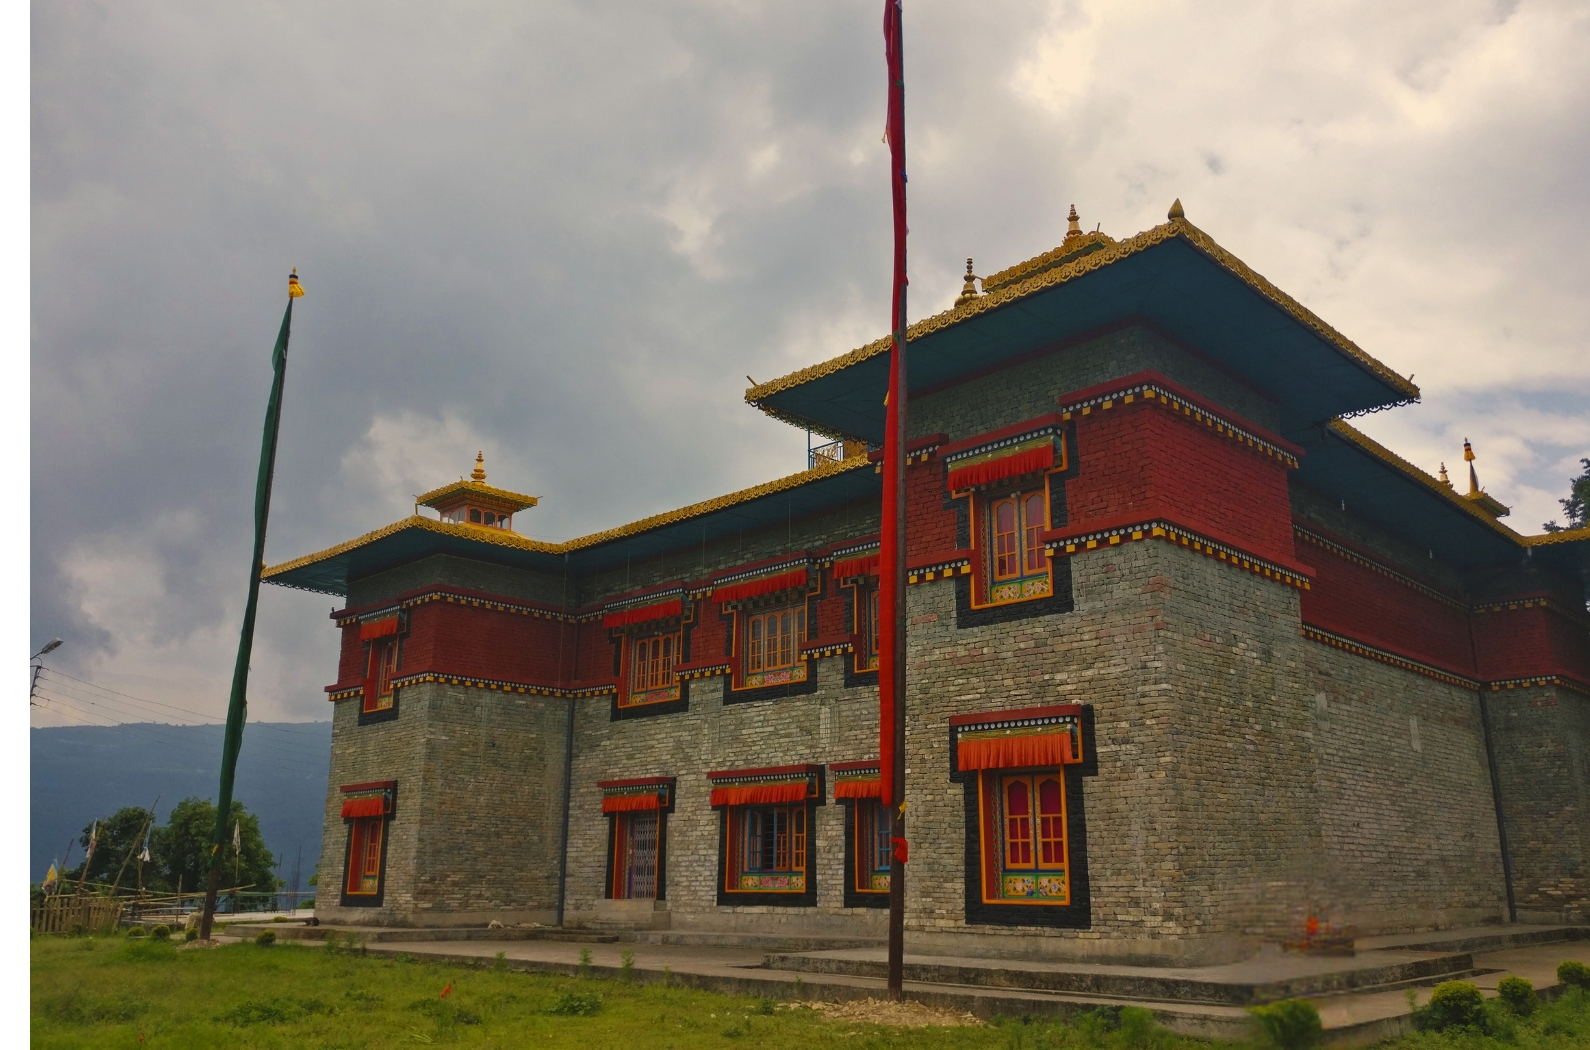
<point x="1073" y="226"/>
<point x="294" y="289"/>
<point x="479" y="473"/>
<point x="969" y="289"/>
<point x="1176" y="211"/>
<point x="1444" y="479"/>
<point x="1468" y="456"/>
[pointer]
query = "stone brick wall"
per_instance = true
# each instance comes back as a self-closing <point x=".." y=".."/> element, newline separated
<point x="1542" y="741"/>
<point x="1407" y="813"/>
<point x="478" y="822"/>
<point x="832" y="724"/>
<point x="1032" y="386"/>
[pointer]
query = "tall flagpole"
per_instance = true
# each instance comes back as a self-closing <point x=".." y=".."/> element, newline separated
<point x="237" y="706"/>
<point x="892" y="538"/>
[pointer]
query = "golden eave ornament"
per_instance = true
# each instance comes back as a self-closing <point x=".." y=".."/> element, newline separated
<point x="1478" y="496"/>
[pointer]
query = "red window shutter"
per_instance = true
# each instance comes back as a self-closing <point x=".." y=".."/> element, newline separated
<point x="759" y="794"/>
<point x="1025" y="462"/>
<point x="764" y="585"/>
<point x="1015" y="752"/>
<point x="354" y="808"/>
<point x="865" y="566"/>
<point x="858" y="788"/>
<point x="630" y="803"/>
<point x="642" y="613"/>
<point x="378" y="628"/>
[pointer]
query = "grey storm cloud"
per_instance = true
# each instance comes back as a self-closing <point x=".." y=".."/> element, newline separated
<point x="564" y="233"/>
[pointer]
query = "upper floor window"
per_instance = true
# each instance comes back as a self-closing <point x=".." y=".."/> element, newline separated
<point x="654" y="661"/>
<point x="1018" y="522"/>
<point x="381" y="670"/>
<point x="773" y="639"/>
<point x="478" y="516"/>
<point x="1015" y="562"/>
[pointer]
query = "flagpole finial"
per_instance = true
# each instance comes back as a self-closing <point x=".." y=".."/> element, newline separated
<point x="1073" y="224"/>
<point x="294" y="289"/>
<point x="1176" y="211"/>
<point x="969" y="289"/>
<point x="479" y="473"/>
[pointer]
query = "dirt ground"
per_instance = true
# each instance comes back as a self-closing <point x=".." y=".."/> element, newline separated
<point x="906" y="1014"/>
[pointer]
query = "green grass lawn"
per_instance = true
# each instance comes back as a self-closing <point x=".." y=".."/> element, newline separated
<point x="110" y="992"/>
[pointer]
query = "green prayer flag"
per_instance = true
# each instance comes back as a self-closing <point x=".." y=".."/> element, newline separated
<point x="237" y="707"/>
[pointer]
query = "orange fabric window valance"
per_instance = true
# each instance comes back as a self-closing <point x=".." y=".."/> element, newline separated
<point x="759" y="794"/>
<point x="858" y="789"/>
<point x="630" y="803"/>
<point x="1024" y="462"/>
<point x="378" y="628"/>
<point x="866" y="566"/>
<point x="364" y="807"/>
<point x="763" y="585"/>
<point x="1015" y="752"/>
<point x="642" y="613"/>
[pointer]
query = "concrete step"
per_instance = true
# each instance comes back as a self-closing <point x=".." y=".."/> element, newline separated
<point x="397" y="934"/>
<point x="772" y="942"/>
<point x="1490" y="939"/>
<point x="1217" y="986"/>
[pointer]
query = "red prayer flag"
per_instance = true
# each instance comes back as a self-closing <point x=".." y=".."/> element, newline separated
<point x="893" y="453"/>
<point x="446" y="990"/>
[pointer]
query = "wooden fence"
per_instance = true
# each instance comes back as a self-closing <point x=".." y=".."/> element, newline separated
<point x="59" y="914"/>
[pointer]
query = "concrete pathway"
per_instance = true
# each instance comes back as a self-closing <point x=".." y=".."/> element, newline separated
<point x="1351" y="1019"/>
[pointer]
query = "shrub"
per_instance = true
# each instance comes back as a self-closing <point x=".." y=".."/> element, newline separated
<point x="1518" y="994"/>
<point x="1139" y="1030"/>
<point x="626" y="965"/>
<point x="1574" y="974"/>
<point x="77" y="930"/>
<point x="576" y="1004"/>
<point x="1291" y="1024"/>
<point x="190" y="935"/>
<point x="265" y="938"/>
<point x="500" y="963"/>
<point x="135" y="931"/>
<point x="1453" y="1004"/>
<point x="278" y="918"/>
<point x="585" y="962"/>
<point x="161" y="932"/>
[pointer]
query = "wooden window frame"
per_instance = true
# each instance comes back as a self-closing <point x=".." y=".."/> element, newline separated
<point x="873" y="848"/>
<point x="792" y="851"/>
<point x="381" y="666"/>
<point x="368" y="844"/>
<point x="661" y="683"/>
<point x="1046" y="880"/>
<point x="1017" y="569"/>
<point x="753" y="673"/>
<point x="620" y="886"/>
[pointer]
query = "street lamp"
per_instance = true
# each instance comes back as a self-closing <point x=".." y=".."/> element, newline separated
<point x="50" y="647"/>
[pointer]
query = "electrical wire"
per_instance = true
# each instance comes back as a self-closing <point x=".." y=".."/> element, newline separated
<point x="51" y="672"/>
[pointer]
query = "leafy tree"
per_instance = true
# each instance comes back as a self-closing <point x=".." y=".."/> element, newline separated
<point x="117" y="836"/>
<point x="1576" y="508"/>
<point x="184" y="847"/>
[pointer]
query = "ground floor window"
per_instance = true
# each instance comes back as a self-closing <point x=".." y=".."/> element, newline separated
<point x="636" y="841"/>
<point x="1022" y="836"/>
<point x="364" y="856"/>
<point x="767" y="849"/>
<point x="873" y="846"/>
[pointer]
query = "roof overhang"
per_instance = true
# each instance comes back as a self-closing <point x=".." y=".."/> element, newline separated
<point x="824" y="487"/>
<point x="1173" y="276"/>
<point x="1346" y="464"/>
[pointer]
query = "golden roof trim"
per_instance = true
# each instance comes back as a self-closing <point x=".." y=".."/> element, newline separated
<point x="1066" y="248"/>
<point x="505" y="538"/>
<point x="1384" y="454"/>
<point x="478" y="488"/>
<point x="1560" y="536"/>
<point x="1077" y="267"/>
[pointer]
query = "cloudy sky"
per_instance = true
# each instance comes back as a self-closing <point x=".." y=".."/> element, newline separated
<point x="566" y="232"/>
